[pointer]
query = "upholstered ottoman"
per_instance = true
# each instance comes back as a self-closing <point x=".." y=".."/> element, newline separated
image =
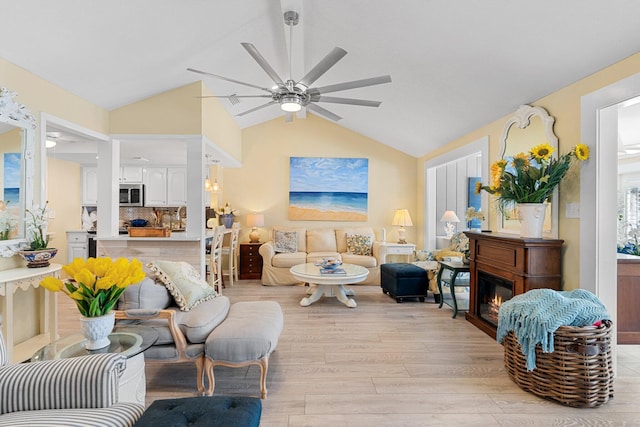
<point x="403" y="280"/>
<point x="218" y="411"/>
<point x="247" y="336"/>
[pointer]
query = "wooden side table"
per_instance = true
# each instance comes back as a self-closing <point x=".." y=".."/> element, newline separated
<point x="250" y="261"/>
<point x="453" y="269"/>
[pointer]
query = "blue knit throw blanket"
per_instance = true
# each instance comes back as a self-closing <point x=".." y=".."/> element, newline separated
<point x="535" y="315"/>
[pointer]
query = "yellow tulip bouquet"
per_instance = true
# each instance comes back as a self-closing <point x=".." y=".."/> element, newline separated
<point x="97" y="283"/>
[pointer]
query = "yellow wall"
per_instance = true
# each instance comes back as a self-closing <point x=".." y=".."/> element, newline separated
<point x="66" y="200"/>
<point x="262" y="184"/>
<point x="564" y="105"/>
<point x="39" y="96"/>
<point x="175" y="112"/>
<point x="219" y="127"/>
<point x="180" y="111"/>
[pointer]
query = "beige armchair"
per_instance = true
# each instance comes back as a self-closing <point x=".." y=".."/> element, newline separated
<point x="458" y="247"/>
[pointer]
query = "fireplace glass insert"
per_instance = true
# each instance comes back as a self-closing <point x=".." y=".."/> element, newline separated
<point x="492" y="292"/>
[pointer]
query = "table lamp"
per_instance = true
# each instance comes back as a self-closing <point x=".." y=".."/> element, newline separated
<point x="402" y="218"/>
<point x="450" y="218"/>
<point x="255" y="220"/>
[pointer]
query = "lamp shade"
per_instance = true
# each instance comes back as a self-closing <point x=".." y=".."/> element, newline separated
<point x="449" y="216"/>
<point x="255" y="220"/>
<point x="208" y="187"/>
<point x="402" y="218"/>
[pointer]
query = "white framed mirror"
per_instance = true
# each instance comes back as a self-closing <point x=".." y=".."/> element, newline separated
<point x="17" y="146"/>
<point x="527" y="127"/>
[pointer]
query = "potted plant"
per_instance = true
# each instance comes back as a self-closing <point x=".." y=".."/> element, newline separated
<point x="527" y="181"/>
<point x="95" y="285"/>
<point x="38" y="253"/>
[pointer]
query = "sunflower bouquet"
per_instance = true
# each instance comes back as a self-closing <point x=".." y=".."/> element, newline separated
<point x="530" y="177"/>
<point x="97" y="283"/>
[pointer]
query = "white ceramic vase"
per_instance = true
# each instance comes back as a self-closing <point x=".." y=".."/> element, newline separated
<point x="531" y="217"/>
<point x="97" y="329"/>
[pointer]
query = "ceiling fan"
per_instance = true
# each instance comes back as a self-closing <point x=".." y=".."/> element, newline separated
<point x="293" y="95"/>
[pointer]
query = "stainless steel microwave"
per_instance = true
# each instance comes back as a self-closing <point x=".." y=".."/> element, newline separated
<point x="131" y="194"/>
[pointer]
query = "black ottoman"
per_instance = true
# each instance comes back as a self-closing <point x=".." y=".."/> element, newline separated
<point x="218" y="411"/>
<point x="403" y="280"/>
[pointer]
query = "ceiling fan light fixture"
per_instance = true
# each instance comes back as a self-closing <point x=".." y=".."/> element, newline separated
<point x="49" y="143"/>
<point x="290" y="104"/>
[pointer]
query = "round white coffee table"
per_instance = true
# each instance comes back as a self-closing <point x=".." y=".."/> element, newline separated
<point x="331" y="284"/>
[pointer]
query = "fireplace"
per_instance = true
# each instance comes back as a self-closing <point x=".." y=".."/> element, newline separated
<point x="492" y="292"/>
<point x="503" y="266"/>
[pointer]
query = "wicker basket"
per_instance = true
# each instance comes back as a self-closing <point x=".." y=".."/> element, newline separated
<point x="578" y="373"/>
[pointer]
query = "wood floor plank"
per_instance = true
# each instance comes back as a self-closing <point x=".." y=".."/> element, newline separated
<point x="384" y="364"/>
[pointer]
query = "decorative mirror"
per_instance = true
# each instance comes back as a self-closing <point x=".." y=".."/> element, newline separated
<point x="528" y="127"/>
<point x="17" y="143"/>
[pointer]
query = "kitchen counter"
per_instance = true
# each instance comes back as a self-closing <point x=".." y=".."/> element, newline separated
<point x="180" y="246"/>
<point x="179" y="236"/>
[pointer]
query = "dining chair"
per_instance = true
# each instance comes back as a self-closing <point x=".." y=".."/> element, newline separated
<point x="214" y="261"/>
<point x="232" y="254"/>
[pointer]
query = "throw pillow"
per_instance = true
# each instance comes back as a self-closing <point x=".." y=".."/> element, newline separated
<point x="359" y="244"/>
<point x="183" y="282"/>
<point x="285" y="241"/>
<point x="146" y="294"/>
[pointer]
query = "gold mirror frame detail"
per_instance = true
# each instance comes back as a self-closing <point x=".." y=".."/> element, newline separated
<point x="14" y="114"/>
<point x="522" y="119"/>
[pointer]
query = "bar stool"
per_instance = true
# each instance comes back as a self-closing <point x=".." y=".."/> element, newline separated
<point x="214" y="260"/>
<point x="231" y="252"/>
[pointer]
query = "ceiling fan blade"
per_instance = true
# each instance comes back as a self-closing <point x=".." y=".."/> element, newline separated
<point x="351" y="101"/>
<point x="235" y="96"/>
<point x="228" y="79"/>
<point x="288" y="117"/>
<point x="259" y="107"/>
<point x="324" y="112"/>
<point x="351" y="85"/>
<point x="263" y="63"/>
<point x="321" y="67"/>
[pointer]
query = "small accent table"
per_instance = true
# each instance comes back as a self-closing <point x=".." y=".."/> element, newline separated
<point x="250" y="261"/>
<point x="331" y="285"/>
<point x="130" y="341"/>
<point x="24" y="278"/>
<point x="388" y="248"/>
<point x="453" y="268"/>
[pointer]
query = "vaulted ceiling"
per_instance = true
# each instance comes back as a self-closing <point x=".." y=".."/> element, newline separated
<point x="455" y="65"/>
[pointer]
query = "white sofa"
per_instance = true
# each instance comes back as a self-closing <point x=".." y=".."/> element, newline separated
<point x="315" y="244"/>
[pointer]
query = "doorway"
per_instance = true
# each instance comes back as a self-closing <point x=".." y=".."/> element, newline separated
<point x="598" y="189"/>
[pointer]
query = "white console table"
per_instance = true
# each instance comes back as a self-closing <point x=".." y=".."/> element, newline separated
<point x="388" y="248"/>
<point x="24" y="278"/>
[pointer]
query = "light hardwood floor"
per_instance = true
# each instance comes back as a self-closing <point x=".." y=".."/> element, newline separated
<point x="386" y="364"/>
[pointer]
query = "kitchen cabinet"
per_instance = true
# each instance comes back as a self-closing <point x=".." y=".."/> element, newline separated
<point x="176" y="186"/>
<point x="77" y="245"/>
<point x="131" y="175"/>
<point x="89" y="186"/>
<point x="165" y="186"/>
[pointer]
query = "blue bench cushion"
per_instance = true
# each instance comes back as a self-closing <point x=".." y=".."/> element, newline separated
<point x="219" y="411"/>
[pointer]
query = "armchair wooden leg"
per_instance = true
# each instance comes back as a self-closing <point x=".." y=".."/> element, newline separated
<point x="200" y="375"/>
<point x="264" y="367"/>
<point x="211" y="382"/>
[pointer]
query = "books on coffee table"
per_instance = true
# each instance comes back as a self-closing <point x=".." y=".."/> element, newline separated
<point x="332" y="271"/>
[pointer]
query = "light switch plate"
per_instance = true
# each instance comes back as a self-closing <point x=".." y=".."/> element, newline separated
<point x="572" y="210"/>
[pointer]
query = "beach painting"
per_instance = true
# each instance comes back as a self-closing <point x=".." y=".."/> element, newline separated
<point x="328" y="189"/>
<point x="12" y="179"/>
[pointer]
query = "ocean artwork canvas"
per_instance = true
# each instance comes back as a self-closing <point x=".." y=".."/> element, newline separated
<point x="11" y="179"/>
<point x="328" y="189"/>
